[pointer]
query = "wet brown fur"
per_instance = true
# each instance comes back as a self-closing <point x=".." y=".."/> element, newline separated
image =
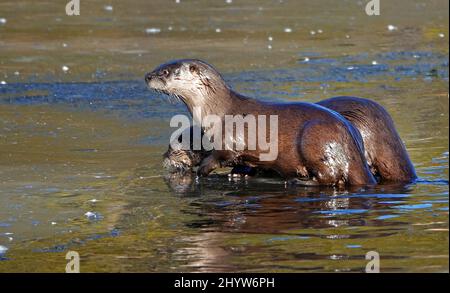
<point x="315" y="144"/>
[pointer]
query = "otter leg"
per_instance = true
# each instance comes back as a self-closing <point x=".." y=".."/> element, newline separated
<point x="332" y="154"/>
<point x="213" y="161"/>
<point x="207" y="165"/>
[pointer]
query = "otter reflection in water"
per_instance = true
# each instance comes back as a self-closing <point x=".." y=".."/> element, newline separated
<point x="253" y="199"/>
<point x="220" y="207"/>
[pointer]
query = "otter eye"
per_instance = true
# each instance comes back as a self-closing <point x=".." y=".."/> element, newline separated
<point x="165" y="72"/>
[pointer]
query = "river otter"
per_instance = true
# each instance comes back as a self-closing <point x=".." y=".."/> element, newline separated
<point x="182" y="161"/>
<point x="385" y="153"/>
<point x="179" y="160"/>
<point x="316" y="145"/>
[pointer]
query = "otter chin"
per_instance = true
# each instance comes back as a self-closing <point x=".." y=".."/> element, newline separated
<point x="316" y="145"/>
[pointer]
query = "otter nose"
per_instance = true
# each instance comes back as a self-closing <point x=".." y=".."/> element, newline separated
<point x="148" y="76"/>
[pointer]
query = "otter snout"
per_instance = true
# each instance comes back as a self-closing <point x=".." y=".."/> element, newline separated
<point x="149" y="76"/>
<point x="158" y="74"/>
<point x="155" y="80"/>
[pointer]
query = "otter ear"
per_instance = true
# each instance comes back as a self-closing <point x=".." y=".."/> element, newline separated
<point x="194" y="69"/>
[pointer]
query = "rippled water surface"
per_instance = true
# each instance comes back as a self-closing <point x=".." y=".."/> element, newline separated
<point x="81" y="137"/>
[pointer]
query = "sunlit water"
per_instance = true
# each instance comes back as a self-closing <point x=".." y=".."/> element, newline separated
<point x="80" y="149"/>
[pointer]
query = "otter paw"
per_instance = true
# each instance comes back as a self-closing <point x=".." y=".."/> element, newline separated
<point x="203" y="171"/>
<point x="207" y="166"/>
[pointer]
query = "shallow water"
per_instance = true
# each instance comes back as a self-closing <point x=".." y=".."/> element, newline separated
<point x="80" y="151"/>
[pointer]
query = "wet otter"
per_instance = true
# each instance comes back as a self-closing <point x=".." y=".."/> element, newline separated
<point x="320" y="147"/>
<point x="179" y="160"/>
<point x="385" y="153"/>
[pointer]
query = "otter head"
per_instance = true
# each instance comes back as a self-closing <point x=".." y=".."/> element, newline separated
<point x="195" y="82"/>
<point x="179" y="160"/>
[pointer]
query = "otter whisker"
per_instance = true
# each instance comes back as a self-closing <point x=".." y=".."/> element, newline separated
<point x="174" y="98"/>
<point x="180" y="99"/>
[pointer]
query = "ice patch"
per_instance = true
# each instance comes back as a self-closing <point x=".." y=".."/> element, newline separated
<point x="392" y="28"/>
<point x="3" y="249"/>
<point x="152" y="30"/>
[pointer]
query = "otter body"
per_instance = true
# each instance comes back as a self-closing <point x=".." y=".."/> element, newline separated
<point x="385" y="152"/>
<point x="316" y="145"/>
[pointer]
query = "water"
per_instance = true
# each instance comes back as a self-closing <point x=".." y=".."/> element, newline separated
<point x="80" y="149"/>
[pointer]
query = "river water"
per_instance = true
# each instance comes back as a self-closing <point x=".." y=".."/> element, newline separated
<point x="81" y="138"/>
